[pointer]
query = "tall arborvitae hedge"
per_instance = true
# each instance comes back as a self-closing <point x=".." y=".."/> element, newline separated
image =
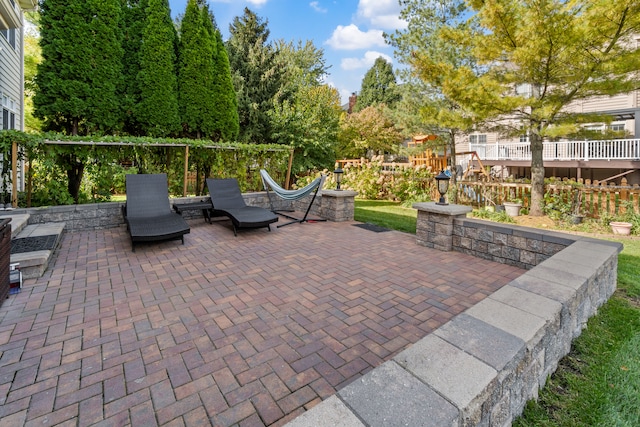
<point x="227" y="126"/>
<point x="157" y="111"/>
<point x="134" y="19"/>
<point x="81" y="68"/>
<point x="195" y="74"/>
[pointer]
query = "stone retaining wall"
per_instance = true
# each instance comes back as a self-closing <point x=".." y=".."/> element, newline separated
<point x="332" y="205"/>
<point x="505" y="243"/>
<point x="481" y="368"/>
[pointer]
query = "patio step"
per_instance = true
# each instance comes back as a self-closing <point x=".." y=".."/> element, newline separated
<point x="18" y="222"/>
<point x="34" y="263"/>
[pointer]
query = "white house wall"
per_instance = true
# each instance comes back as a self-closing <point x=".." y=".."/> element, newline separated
<point x="11" y="80"/>
<point x="11" y="77"/>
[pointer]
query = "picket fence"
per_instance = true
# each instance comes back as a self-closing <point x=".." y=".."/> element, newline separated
<point x="594" y="198"/>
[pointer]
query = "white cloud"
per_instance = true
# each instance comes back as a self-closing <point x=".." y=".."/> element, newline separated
<point x="257" y="2"/>
<point x="351" y="38"/>
<point x="315" y="5"/>
<point x="365" y="62"/>
<point x="381" y="13"/>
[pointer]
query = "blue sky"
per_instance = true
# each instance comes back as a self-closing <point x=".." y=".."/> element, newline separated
<point x="349" y="31"/>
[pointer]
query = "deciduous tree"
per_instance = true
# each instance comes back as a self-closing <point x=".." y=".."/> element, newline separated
<point x="369" y="129"/>
<point x="559" y="51"/>
<point x="306" y="113"/>
<point x="425" y="105"/>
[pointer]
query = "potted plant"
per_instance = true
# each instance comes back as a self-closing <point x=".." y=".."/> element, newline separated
<point x="513" y="206"/>
<point x="577" y="214"/>
<point x="623" y="222"/>
<point x="620" y="227"/>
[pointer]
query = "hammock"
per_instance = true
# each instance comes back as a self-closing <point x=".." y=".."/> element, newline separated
<point x="290" y="195"/>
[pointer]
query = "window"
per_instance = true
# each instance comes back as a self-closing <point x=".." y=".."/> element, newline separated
<point x="8" y="114"/>
<point x="617" y="127"/>
<point x="595" y="128"/>
<point x="10" y="35"/>
<point x="477" y="139"/>
<point x="524" y="138"/>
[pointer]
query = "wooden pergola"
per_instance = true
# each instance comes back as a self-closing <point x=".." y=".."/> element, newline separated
<point x="14" y="159"/>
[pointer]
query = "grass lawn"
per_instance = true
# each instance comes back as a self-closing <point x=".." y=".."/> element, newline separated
<point x="598" y="382"/>
<point x="386" y="214"/>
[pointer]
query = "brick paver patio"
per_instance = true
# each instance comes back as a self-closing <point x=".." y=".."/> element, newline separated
<point x="249" y="330"/>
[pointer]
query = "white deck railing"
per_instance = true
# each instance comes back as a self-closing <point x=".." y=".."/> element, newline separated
<point x="616" y="149"/>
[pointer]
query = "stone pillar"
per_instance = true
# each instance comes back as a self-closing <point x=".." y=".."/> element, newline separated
<point x="434" y="228"/>
<point x="337" y="205"/>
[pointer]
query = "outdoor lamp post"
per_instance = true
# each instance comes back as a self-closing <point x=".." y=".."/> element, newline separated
<point x="338" y="176"/>
<point x="443" y="186"/>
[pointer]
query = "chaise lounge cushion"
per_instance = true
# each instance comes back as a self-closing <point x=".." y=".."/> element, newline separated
<point x="227" y="200"/>
<point x="147" y="211"/>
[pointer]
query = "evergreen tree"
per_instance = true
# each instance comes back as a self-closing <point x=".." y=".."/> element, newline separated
<point x="79" y="76"/>
<point x="425" y="106"/>
<point x="227" y="126"/>
<point x="157" y="111"/>
<point x="196" y="74"/>
<point x="134" y="18"/>
<point x="256" y="78"/>
<point x="378" y="86"/>
<point x="81" y="68"/>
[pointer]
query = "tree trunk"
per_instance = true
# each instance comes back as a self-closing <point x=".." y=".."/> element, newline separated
<point x="537" y="175"/>
<point x="454" y="174"/>
<point x="198" y="178"/>
<point x="74" y="176"/>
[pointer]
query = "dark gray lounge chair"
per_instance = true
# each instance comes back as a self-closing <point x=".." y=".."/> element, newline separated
<point x="227" y="201"/>
<point x="147" y="212"/>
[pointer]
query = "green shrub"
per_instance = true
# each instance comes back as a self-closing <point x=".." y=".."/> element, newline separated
<point x="490" y="214"/>
<point x="404" y="184"/>
<point x="556" y="206"/>
<point x="626" y="213"/>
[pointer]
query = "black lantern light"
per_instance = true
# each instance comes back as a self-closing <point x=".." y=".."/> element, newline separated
<point x="443" y="186"/>
<point x="338" y="176"/>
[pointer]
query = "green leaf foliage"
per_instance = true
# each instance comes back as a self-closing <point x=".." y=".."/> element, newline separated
<point x="531" y="60"/>
<point x="196" y="74"/>
<point x="306" y="113"/>
<point x="256" y="77"/>
<point x="134" y="19"/>
<point x="81" y="68"/>
<point x="157" y="111"/>
<point x="105" y="159"/>
<point x="226" y="120"/>
<point x="378" y="86"/>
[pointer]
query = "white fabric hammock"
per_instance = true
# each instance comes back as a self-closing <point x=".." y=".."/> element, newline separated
<point x="268" y="182"/>
<point x="291" y="195"/>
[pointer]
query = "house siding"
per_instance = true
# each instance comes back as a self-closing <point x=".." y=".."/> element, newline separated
<point x="11" y="83"/>
<point x="603" y="103"/>
<point x="11" y="76"/>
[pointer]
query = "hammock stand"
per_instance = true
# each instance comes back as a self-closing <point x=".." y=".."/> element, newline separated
<point x="313" y="187"/>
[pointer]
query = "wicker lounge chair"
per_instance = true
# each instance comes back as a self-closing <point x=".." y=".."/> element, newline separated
<point x="147" y="212"/>
<point x="227" y="201"/>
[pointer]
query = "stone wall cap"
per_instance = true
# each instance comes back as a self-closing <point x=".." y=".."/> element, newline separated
<point x="433" y="207"/>
<point x="339" y="193"/>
